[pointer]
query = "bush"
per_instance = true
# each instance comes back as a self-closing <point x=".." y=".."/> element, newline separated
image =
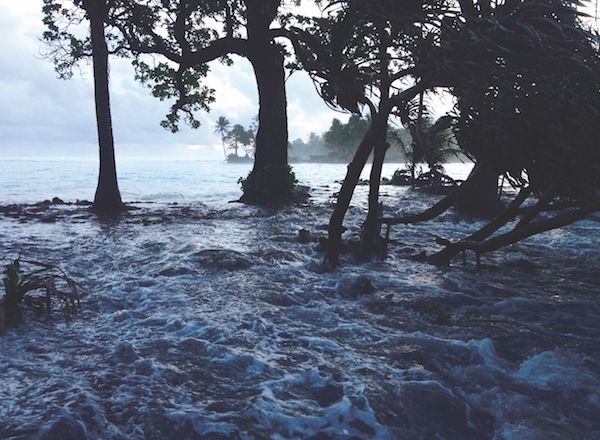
<point x="401" y="177"/>
<point x="24" y="288"/>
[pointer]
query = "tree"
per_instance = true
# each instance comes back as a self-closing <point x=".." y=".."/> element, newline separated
<point x="190" y="34"/>
<point x="484" y="54"/>
<point x="359" y="58"/>
<point x="222" y="128"/>
<point x="527" y="82"/>
<point x="342" y="139"/>
<point x="429" y="143"/>
<point x="66" y="51"/>
<point x="238" y="137"/>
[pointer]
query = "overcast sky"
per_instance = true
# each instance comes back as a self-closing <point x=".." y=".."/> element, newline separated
<point x="43" y="116"/>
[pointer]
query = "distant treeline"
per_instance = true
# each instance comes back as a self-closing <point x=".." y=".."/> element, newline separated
<point x="339" y="142"/>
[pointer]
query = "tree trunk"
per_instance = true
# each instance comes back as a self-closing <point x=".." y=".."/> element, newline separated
<point x="370" y="231"/>
<point x="461" y="192"/>
<point x="481" y="199"/>
<point x="515" y="235"/>
<point x="108" y="197"/>
<point x="450" y="251"/>
<point x="270" y="179"/>
<point x="272" y="134"/>
<point x="12" y="312"/>
<point x="346" y="192"/>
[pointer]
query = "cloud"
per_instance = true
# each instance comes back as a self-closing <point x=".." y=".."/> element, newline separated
<point x="45" y="116"/>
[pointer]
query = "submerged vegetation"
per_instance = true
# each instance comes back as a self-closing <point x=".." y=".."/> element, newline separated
<point x="496" y="59"/>
<point x="37" y="286"/>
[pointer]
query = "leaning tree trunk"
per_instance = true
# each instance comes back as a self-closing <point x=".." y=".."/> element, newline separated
<point x="224" y="149"/>
<point x="355" y="168"/>
<point x="270" y="179"/>
<point x="370" y="230"/>
<point x="482" y="198"/>
<point x="108" y="197"/>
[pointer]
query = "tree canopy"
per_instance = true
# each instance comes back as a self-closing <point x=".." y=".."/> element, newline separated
<point x="527" y="81"/>
<point x="524" y="76"/>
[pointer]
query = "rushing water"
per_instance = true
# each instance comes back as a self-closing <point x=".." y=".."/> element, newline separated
<point x="211" y="320"/>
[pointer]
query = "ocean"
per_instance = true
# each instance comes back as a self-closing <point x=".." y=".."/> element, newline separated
<point x="211" y="182"/>
<point x="205" y="319"/>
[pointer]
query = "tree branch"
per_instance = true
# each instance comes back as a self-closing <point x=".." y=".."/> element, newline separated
<point x="437" y="209"/>
<point x="517" y="234"/>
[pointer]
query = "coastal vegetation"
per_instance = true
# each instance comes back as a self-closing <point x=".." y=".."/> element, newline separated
<point x="236" y="139"/>
<point x="243" y="298"/>
<point x="524" y="78"/>
<point x="24" y="280"/>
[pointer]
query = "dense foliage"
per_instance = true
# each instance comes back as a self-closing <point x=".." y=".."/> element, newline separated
<point x="527" y="79"/>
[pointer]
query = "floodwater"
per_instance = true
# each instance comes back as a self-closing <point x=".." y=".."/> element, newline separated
<point x="208" y="320"/>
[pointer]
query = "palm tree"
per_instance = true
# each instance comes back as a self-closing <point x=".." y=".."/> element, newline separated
<point x="222" y="128"/>
<point x="239" y="136"/>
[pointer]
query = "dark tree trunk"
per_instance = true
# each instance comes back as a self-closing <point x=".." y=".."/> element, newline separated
<point x="518" y="233"/>
<point x="370" y="231"/>
<point x="468" y="7"/>
<point x="481" y="198"/>
<point x="270" y="179"/>
<point x="12" y="312"/>
<point x="346" y="192"/>
<point x="108" y="197"/>
<point x="450" y="251"/>
<point x="272" y="135"/>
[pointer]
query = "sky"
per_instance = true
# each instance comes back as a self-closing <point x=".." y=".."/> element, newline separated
<point x="44" y="116"/>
